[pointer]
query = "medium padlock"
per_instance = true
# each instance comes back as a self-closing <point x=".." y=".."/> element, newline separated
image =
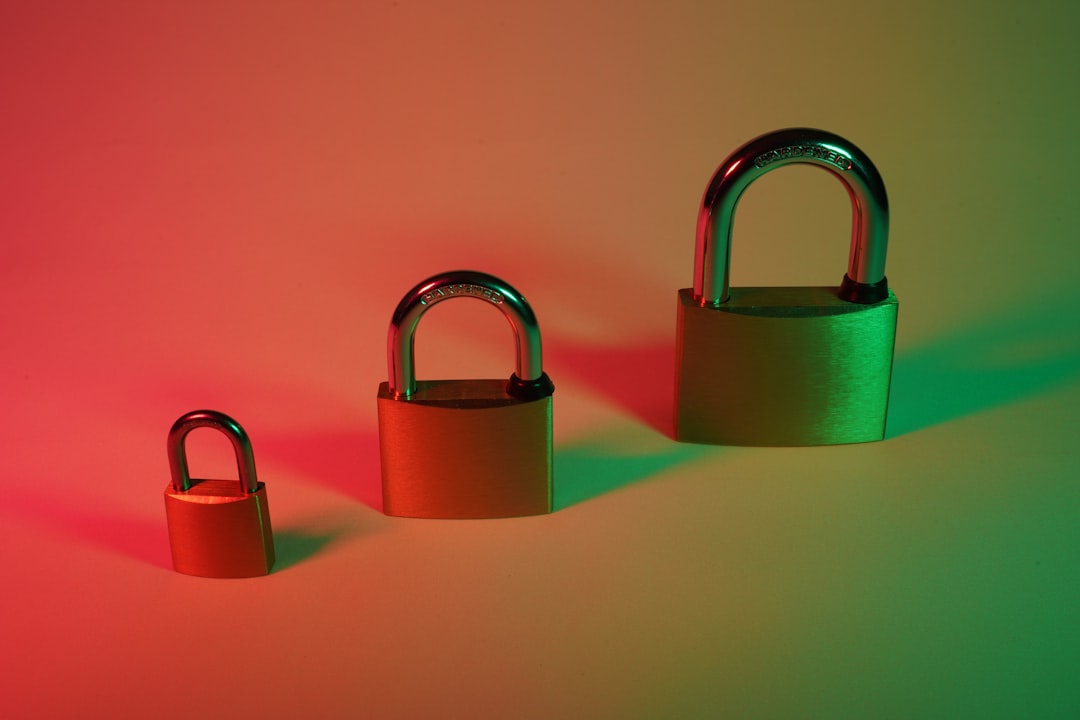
<point x="465" y="448"/>
<point x="787" y="365"/>
<point x="217" y="528"/>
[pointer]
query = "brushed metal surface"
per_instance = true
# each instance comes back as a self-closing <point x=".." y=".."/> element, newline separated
<point x="783" y="366"/>
<point x="216" y="532"/>
<point x="464" y="449"/>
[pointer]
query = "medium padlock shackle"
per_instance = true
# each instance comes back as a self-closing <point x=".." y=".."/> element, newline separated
<point x="245" y="459"/>
<point x="528" y="381"/>
<point x="865" y="279"/>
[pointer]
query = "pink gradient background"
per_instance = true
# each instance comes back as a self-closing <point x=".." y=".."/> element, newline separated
<point x="219" y="204"/>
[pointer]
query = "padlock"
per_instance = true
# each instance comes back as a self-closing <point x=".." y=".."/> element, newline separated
<point x="217" y="528"/>
<point x="787" y="365"/>
<point x="465" y="448"/>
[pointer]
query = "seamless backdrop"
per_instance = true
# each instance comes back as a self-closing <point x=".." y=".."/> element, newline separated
<point x="219" y="204"/>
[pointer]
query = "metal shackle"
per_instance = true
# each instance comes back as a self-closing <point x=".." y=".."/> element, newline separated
<point x="245" y="459"/>
<point x="865" y="279"/>
<point x="528" y="381"/>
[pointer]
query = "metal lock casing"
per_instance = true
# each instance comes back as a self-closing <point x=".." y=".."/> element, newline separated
<point x="465" y="448"/>
<point x="787" y="365"/>
<point x="217" y="528"/>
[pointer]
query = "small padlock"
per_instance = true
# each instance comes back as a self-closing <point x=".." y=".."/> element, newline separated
<point x="217" y="528"/>
<point x="787" y="365"/>
<point x="465" y="448"/>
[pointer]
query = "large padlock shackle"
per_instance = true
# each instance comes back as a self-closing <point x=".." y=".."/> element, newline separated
<point x="865" y="280"/>
<point x="245" y="459"/>
<point x="528" y="378"/>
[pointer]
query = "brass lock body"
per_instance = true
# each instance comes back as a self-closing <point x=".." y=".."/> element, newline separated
<point x="465" y="448"/>
<point x="775" y="366"/>
<point x="217" y="528"/>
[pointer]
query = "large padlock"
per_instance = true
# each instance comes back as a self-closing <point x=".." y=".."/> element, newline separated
<point x="217" y="528"/>
<point x="465" y="448"/>
<point x="787" y="365"/>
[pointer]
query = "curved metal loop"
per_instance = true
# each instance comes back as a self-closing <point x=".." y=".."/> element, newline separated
<point x="869" y="205"/>
<point x="454" y="284"/>
<point x="245" y="459"/>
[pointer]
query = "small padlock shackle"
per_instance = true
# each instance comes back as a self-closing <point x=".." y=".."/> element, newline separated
<point x="528" y="381"/>
<point x="865" y="279"/>
<point x="245" y="459"/>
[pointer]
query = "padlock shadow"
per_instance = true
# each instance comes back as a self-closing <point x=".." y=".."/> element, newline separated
<point x="297" y="543"/>
<point x="147" y="541"/>
<point x="141" y="539"/>
<point x="1015" y="354"/>
<point x="589" y="468"/>
<point x="342" y="460"/>
<point x="637" y="378"/>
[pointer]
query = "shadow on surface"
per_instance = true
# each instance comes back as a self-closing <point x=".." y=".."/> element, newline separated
<point x="1013" y="355"/>
<point x="588" y="469"/>
<point x="147" y="541"/>
<point x="344" y="461"/>
<point x="638" y="378"/>
<point x="294" y="545"/>
<point x="1008" y="358"/>
<point x="141" y="539"/>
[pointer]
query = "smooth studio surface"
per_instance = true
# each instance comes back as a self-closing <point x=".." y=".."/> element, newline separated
<point x="219" y="205"/>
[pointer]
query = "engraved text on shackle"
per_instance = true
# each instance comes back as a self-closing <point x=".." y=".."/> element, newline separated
<point x="795" y="151"/>
<point x="447" y="291"/>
